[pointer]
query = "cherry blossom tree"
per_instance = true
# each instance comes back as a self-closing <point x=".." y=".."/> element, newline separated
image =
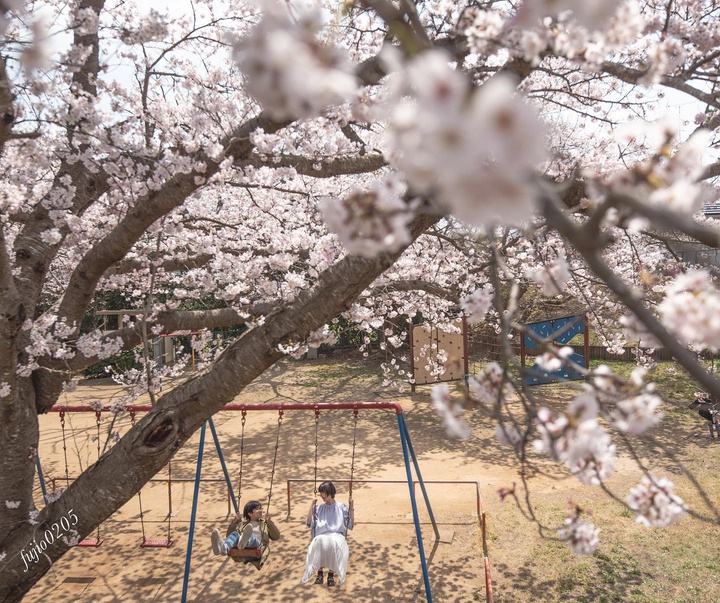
<point x="281" y="166"/>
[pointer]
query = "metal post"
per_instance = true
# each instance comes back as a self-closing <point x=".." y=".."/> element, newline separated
<point x="41" y="479"/>
<point x="418" y="532"/>
<point x="196" y="494"/>
<point x="420" y="480"/>
<point x="222" y="462"/>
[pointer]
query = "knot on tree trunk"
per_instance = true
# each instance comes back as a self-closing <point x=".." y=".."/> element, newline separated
<point x="159" y="435"/>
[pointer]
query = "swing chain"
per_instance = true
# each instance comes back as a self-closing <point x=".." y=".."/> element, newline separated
<point x="352" y="461"/>
<point x="272" y="473"/>
<point x="98" y="418"/>
<point x="64" y="444"/>
<point x="317" y="421"/>
<point x="242" y="447"/>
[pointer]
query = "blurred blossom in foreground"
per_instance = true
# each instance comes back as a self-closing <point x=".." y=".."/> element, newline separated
<point x="451" y="413"/>
<point x="552" y="278"/>
<point x="477" y="148"/>
<point x="289" y="72"/>
<point x="691" y="310"/>
<point x="591" y="14"/>
<point x="655" y="503"/>
<point x="477" y="304"/>
<point x="370" y="222"/>
<point x="486" y="387"/>
<point x="580" y="535"/>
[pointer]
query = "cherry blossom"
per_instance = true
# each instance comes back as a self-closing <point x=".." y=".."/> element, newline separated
<point x="489" y="386"/>
<point x="451" y="413"/>
<point x="582" y="536"/>
<point x="690" y="309"/>
<point x="282" y="170"/>
<point x="369" y="222"/>
<point x="488" y="142"/>
<point x="655" y="503"/>
<point x="289" y="71"/>
<point x="477" y="304"/>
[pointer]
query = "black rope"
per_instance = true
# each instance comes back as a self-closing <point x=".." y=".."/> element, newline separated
<point x="352" y="462"/>
<point x="169" y="539"/>
<point x="315" y="489"/>
<point x="317" y="421"/>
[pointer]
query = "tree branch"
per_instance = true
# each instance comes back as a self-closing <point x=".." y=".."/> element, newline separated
<point x="589" y="248"/>
<point x="120" y="473"/>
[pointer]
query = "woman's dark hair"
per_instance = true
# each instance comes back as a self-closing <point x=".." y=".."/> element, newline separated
<point x="327" y="488"/>
<point x="250" y="507"/>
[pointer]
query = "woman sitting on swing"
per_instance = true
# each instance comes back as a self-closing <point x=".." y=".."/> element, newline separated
<point x="255" y="532"/>
<point x="329" y="523"/>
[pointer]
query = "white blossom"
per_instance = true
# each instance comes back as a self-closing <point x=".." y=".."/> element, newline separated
<point x="508" y="435"/>
<point x="479" y="153"/>
<point x="580" y="535"/>
<point x="451" y="413"/>
<point x="592" y="14"/>
<point x="552" y="278"/>
<point x="655" y="503"/>
<point x="289" y="71"/>
<point x="487" y="386"/>
<point x="691" y="310"/>
<point x="477" y="304"/>
<point x="369" y="222"/>
<point x="637" y="414"/>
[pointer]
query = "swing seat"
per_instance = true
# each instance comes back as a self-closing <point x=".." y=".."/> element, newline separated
<point x="243" y="554"/>
<point x="160" y="543"/>
<point x="94" y="542"/>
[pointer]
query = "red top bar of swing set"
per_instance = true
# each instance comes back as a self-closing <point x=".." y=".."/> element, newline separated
<point x="280" y="407"/>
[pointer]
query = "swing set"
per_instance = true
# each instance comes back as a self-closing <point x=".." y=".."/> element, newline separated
<point x="410" y="460"/>
<point x="258" y="557"/>
<point x="97" y="540"/>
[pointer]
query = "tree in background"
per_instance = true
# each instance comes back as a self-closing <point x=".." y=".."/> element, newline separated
<point x="373" y="161"/>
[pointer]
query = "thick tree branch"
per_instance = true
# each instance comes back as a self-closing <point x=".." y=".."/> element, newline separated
<point x="145" y="449"/>
<point x="7" y="111"/>
<point x="319" y="168"/>
<point x="416" y="285"/>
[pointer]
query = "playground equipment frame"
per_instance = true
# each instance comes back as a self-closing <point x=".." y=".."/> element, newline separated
<point x="409" y="457"/>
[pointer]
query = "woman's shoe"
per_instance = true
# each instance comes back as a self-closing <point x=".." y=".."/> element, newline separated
<point x="331" y="579"/>
<point x="319" y="579"/>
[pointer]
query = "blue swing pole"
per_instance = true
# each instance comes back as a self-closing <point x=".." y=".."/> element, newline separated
<point x="416" y="519"/>
<point x="224" y="466"/>
<point x="41" y="479"/>
<point x="413" y="456"/>
<point x="191" y="532"/>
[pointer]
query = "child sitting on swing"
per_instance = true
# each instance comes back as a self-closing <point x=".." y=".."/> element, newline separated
<point x="255" y="532"/>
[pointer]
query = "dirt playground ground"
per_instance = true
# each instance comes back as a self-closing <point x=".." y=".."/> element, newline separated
<point x="384" y="559"/>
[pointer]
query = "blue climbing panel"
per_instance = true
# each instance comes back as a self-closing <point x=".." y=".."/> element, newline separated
<point x="560" y="331"/>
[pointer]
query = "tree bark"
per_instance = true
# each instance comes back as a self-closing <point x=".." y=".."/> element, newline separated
<point x="120" y="473"/>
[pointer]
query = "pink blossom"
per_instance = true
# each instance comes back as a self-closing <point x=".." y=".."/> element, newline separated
<point x="451" y="413"/>
<point x="580" y="535"/>
<point x="655" y="503"/>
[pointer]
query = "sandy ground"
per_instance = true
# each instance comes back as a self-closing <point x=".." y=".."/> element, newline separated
<point x="384" y="557"/>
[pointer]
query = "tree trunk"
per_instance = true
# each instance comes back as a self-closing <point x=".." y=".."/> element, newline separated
<point x="120" y="473"/>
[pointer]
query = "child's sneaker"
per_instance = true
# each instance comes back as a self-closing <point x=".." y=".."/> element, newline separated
<point x="218" y="544"/>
